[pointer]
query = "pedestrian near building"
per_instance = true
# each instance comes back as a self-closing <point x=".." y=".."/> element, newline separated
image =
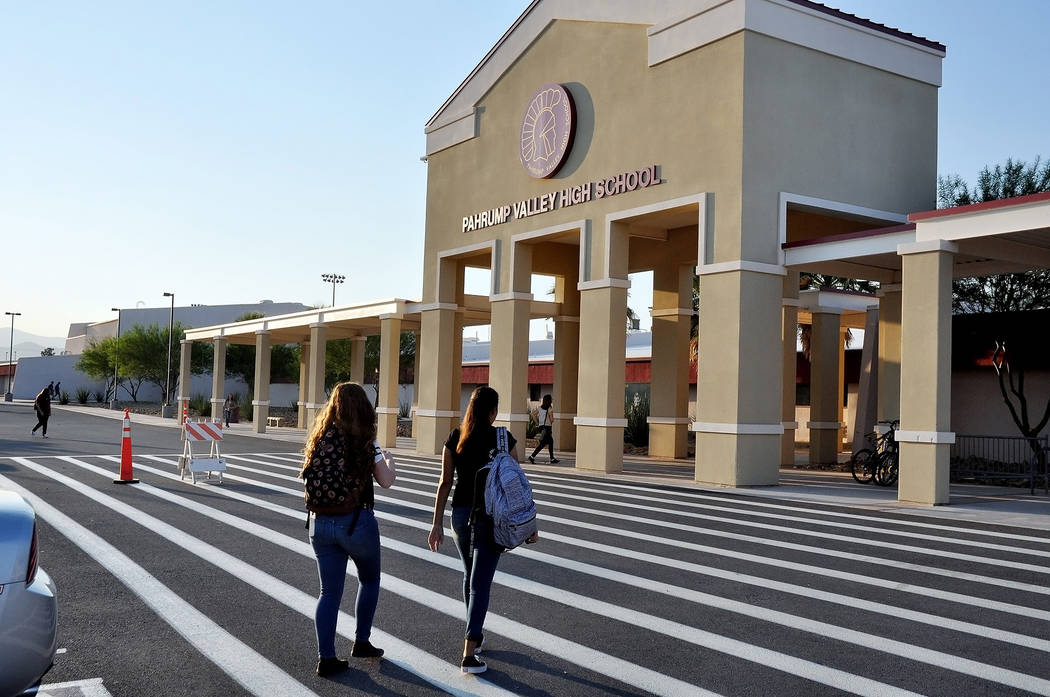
<point x="58" y="390"/>
<point x="51" y="388"/>
<point x="468" y="449"/>
<point x="42" y="407"/>
<point x="227" y="408"/>
<point x="545" y="419"/>
<point x="342" y="458"/>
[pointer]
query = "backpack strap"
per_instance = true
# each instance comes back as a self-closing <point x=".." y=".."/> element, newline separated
<point x="501" y="439"/>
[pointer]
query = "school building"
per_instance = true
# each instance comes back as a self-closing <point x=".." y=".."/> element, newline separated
<point x="741" y="141"/>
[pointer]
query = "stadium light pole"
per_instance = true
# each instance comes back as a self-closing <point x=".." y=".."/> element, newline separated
<point x="334" y="279"/>
<point x="167" y="372"/>
<point x="8" y="397"/>
<point x="116" y="348"/>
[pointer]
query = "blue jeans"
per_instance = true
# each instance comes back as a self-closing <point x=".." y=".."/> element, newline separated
<point x="333" y="544"/>
<point x="477" y="572"/>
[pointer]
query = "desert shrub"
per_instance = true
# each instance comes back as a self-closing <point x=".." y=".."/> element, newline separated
<point x="404" y="410"/>
<point x="63" y="398"/>
<point x="82" y="395"/>
<point x="201" y="404"/>
<point x="100" y="396"/>
<point x="244" y="401"/>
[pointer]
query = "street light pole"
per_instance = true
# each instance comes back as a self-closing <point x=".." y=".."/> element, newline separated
<point x="10" y="357"/>
<point x="334" y="279"/>
<point x="116" y="348"/>
<point x="167" y="372"/>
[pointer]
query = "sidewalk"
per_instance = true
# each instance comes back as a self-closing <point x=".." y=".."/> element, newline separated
<point x="972" y="503"/>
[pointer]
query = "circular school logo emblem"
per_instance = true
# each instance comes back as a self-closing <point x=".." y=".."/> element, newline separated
<point x="547" y="130"/>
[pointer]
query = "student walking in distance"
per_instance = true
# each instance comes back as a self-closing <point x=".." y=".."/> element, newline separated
<point x="468" y="449"/>
<point x="342" y="458"/>
<point x="545" y="419"/>
<point x="227" y="408"/>
<point x="58" y="389"/>
<point x="42" y="407"/>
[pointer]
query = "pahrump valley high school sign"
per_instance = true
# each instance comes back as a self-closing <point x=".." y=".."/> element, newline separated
<point x="548" y="128"/>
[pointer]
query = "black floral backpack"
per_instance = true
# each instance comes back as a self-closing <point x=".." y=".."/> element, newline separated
<point x="330" y="488"/>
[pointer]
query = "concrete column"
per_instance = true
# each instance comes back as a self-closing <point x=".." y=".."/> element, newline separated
<point x="789" y="368"/>
<point x="825" y="400"/>
<point x="867" y="391"/>
<point x="669" y="384"/>
<point x="600" y="404"/>
<point x="509" y="360"/>
<point x="565" y="391"/>
<point x="926" y="349"/>
<point x="357" y="359"/>
<point x="315" y="382"/>
<point x="261" y="401"/>
<point x="218" y="378"/>
<point x="738" y="410"/>
<point x="842" y="386"/>
<point x="437" y="413"/>
<point x="185" y="375"/>
<point x="509" y="356"/>
<point x="889" y="405"/>
<point x="389" y="368"/>
<point x="415" y="381"/>
<point x="304" y="382"/>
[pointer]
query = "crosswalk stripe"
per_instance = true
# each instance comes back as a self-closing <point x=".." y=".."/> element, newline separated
<point x="1043" y="569"/>
<point x="716" y="642"/>
<point x="432" y="669"/>
<point x="584" y="656"/>
<point x="559" y="482"/>
<point x="235" y="658"/>
<point x="973" y="601"/>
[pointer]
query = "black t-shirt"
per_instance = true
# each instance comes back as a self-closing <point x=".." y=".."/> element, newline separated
<point x="477" y="453"/>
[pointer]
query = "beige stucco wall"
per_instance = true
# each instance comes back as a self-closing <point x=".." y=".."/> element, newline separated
<point x="684" y="115"/>
<point x="828" y="128"/>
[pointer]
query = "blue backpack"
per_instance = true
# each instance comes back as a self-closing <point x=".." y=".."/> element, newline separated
<point x="508" y="497"/>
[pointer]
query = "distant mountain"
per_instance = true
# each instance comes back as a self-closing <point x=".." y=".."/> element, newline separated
<point x="27" y="344"/>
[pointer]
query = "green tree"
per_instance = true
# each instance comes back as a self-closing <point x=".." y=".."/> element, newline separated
<point x="240" y="359"/>
<point x="97" y="362"/>
<point x="144" y="357"/>
<point x="1029" y="290"/>
<point x="48" y="352"/>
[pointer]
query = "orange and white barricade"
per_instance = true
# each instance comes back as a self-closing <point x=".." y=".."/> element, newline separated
<point x="201" y="432"/>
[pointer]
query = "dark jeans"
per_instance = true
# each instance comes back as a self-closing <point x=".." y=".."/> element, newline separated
<point x="41" y="420"/>
<point x="546" y="439"/>
<point x="477" y="572"/>
<point x="334" y="544"/>
<point x="226" y="415"/>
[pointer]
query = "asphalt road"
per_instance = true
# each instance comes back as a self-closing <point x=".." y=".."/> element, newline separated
<point x="169" y="588"/>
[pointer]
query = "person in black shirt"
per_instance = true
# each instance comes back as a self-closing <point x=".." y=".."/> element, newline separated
<point x="468" y="449"/>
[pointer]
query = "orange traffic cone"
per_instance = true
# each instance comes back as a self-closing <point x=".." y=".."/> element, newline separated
<point x="126" y="476"/>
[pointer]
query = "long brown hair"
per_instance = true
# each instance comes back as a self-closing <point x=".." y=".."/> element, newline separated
<point x="350" y="412"/>
<point x="482" y="401"/>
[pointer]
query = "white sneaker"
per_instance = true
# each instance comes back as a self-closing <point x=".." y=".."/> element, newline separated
<point x="44" y="436"/>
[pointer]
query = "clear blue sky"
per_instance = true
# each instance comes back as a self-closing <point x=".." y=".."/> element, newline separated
<point x="234" y="151"/>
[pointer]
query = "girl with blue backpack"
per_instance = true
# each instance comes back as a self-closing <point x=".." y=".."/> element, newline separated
<point x="465" y="458"/>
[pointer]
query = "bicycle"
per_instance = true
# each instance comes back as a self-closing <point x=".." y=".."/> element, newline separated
<point x="880" y="462"/>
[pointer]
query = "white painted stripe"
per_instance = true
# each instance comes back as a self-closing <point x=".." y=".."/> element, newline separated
<point x="404" y="655"/>
<point x="584" y="656"/>
<point x="235" y="658"/>
<point x="837" y="524"/>
<point x="806" y="669"/>
<point x="880" y="542"/>
<point x="807" y="568"/>
<point x="784" y="662"/>
<point x="85" y="688"/>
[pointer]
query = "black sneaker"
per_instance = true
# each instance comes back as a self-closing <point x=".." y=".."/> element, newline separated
<point x="331" y="666"/>
<point x="364" y="649"/>
<point x="555" y="460"/>
<point x="532" y="459"/>
<point x="473" y="664"/>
